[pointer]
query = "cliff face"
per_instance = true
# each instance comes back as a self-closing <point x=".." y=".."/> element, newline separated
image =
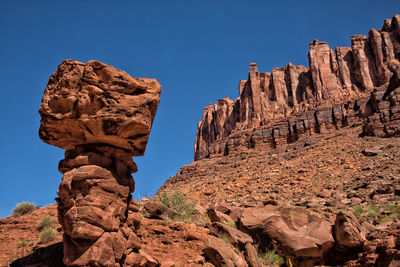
<point x="288" y="104"/>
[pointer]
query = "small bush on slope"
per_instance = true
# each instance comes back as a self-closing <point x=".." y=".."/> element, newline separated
<point x="231" y="224"/>
<point x="48" y="234"/>
<point x="271" y="258"/>
<point x="46" y="221"/>
<point x="178" y="202"/>
<point x="23" y="208"/>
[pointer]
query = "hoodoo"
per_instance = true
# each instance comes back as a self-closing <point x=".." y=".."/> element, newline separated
<point x="102" y="117"/>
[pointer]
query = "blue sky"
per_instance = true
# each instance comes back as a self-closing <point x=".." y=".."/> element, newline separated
<point x="197" y="50"/>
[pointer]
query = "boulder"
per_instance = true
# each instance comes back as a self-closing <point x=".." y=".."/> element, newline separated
<point x="235" y="236"/>
<point x="217" y="216"/>
<point x="222" y="254"/>
<point x="298" y="233"/>
<point x="159" y="210"/>
<point x="95" y="103"/>
<point x="348" y="232"/>
<point x="251" y="256"/>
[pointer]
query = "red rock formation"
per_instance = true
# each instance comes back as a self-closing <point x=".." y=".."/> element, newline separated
<point x="290" y="103"/>
<point x="102" y="117"/>
<point x="385" y="102"/>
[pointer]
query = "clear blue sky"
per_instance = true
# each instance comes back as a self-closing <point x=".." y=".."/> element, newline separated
<point x="197" y="50"/>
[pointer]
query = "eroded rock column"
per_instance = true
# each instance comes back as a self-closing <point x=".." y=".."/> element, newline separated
<point x="102" y="117"/>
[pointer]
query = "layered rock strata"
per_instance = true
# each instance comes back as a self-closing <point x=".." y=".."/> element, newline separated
<point x="102" y="117"/>
<point x="385" y="105"/>
<point x="280" y="107"/>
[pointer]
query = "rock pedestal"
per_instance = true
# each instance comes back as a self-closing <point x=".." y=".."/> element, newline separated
<point x="102" y="117"/>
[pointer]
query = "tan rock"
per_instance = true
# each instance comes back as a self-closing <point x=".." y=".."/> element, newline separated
<point x="348" y="231"/>
<point x="251" y="256"/>
<point x="296" y="231"/>
<point x="235" y="236"/>
<point x="159" y="210"/>
<point x="222" y="254"/>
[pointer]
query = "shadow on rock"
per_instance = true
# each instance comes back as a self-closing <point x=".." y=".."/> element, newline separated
<point x="46" y="256"/>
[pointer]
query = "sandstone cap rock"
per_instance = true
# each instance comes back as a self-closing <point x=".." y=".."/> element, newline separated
<point x="95" y="103"/>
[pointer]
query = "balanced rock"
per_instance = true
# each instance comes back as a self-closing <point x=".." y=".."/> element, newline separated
<point x="102" y="117"/>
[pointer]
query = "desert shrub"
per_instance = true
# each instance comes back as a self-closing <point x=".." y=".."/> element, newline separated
<point x="271" y="258"/>
<point x="225" y="238"/>
<point x="46" y="221"/>
<point x="231" y="224"/>
<point x="384" y="219"/>
<point x="48" y="234"/>
<point x="396" y="198"/>
<point x="373" y="210"/>
<point x="23" y="208"/>
<point x="178" y="202"/>
<point x="358" y="210"/>
<point x="371" y="213"/>
<point x="184" y="218"/>
<point x="21" y="244"/>
<point x="391" y="207"/>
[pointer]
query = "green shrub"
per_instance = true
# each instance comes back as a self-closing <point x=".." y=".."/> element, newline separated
<point x="271" y="258"/>
<point x="178" y="202"/>
<point x="373" y="210"/>
<point x="48" y="234"/>
<point x="358" y="210"/>
<point x="390" y="207"/>
<point x="23" y="208"/>
<point x="371" y="213"/>
<point x="231" y="224"/>
<point x="225" y="238"/>
<point x="46" y="221"/>
<point x="374" y="207"/>
<point x="22" y="244"/>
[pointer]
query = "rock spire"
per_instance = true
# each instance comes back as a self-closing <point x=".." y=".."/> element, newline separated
<point x="102" y="117"/>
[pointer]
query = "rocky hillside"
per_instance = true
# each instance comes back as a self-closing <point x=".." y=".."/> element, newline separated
<point x="312" y="138"/>
<point x="278" y="108"/>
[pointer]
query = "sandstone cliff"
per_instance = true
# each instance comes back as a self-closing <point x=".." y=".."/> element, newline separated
<point x="284" y="106"/>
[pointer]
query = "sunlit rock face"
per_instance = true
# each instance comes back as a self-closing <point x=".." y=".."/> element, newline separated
<point x="102" y="117"/>
<point x="288" y="104"/>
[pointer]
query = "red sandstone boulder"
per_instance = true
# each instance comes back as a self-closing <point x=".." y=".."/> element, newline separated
<point x="222" y="254"/>
<point x="94" y="103"/>
<point x="235" y="236"/>
<point x="251" y="256"/>
<point x="348" y="232"/>
<point x="297" y="232"/>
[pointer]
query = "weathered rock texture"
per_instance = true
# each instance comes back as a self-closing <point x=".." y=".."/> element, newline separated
<point x="300" y="234"/>
<point x="385" y="103"/>
<point x="284" y="106"/>
<point x="102" y="117"/>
